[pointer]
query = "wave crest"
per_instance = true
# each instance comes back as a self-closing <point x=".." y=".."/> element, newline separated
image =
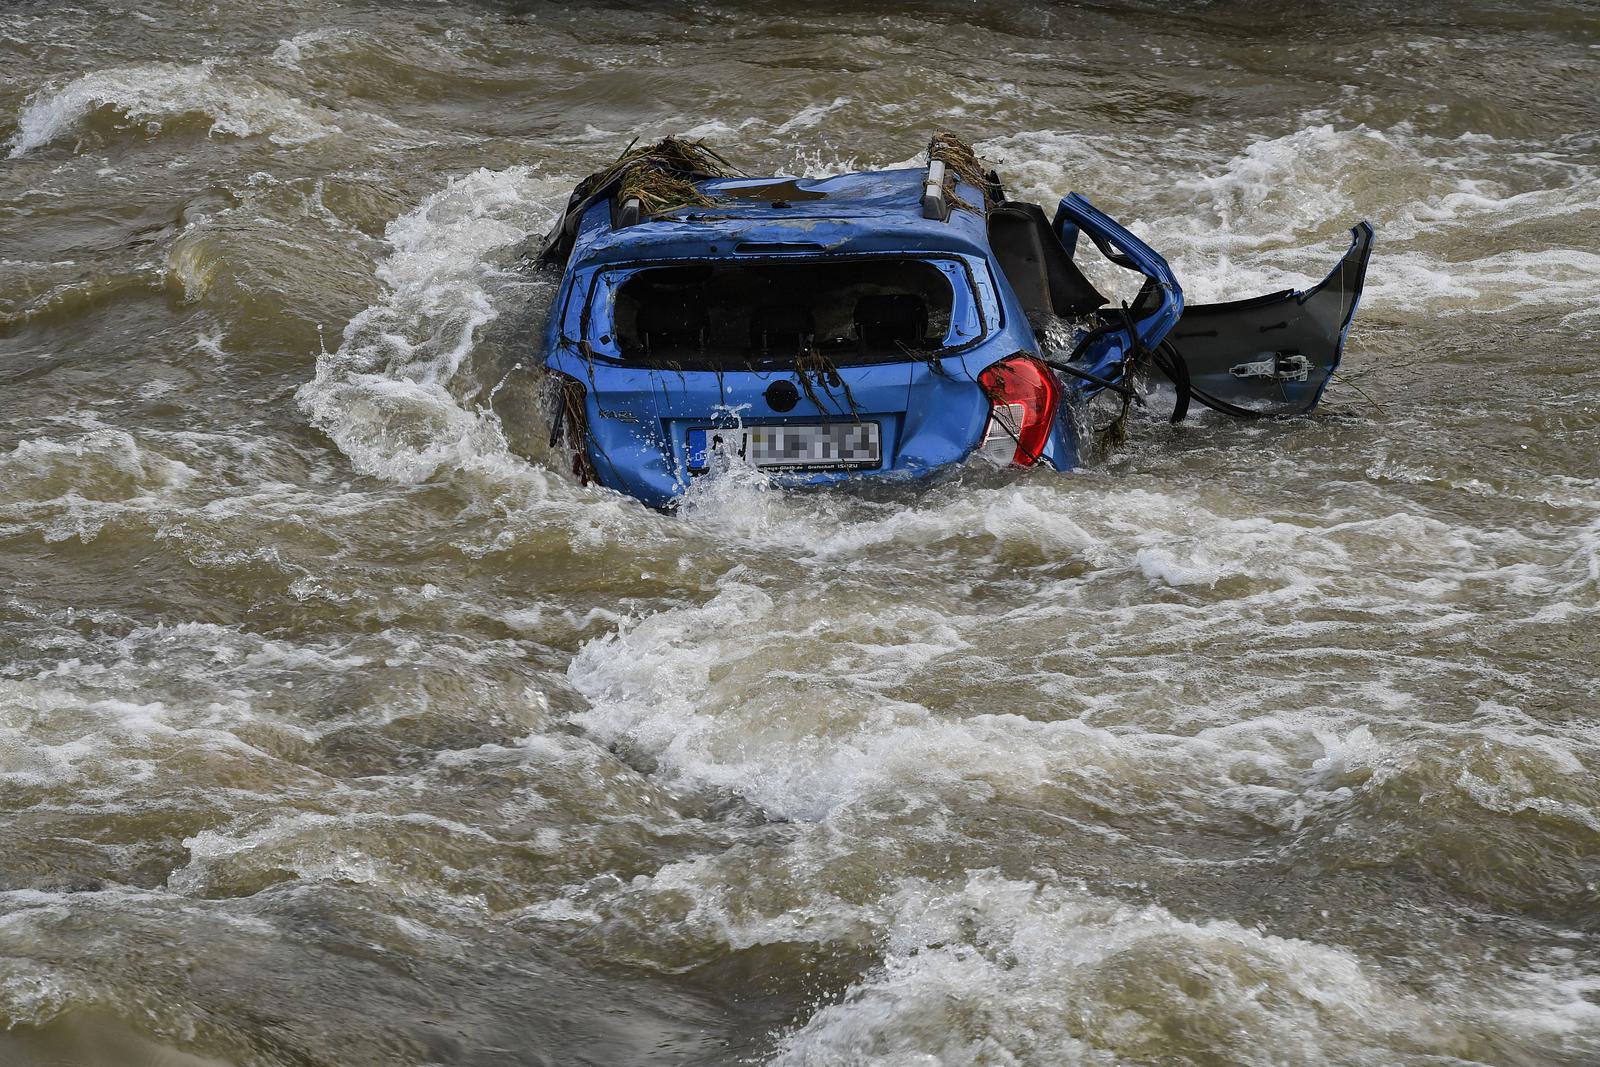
<point x="151" y="92"/>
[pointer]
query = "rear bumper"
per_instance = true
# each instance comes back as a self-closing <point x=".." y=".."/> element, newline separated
<point x="653" y="463"/>
<point x="644" y="451"/>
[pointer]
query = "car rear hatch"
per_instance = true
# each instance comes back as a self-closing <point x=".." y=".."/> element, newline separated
<point x="816" y="368"/>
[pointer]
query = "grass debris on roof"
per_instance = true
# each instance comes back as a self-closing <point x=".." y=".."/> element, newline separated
<point x="962" y="164"/>
<point x="661" y="176"/>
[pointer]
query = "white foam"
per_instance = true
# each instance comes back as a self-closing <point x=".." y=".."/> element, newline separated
<point x="692" y="692"/>
<point x="73" y="485"/>
<point x="1506" y="281"/>
<point x="50" y="736"/>
<point x="1167" y="538"/>
<point x="1270" y="213"/>
<point x="208" y="699"/>
<point x="149" y="92"/>
<point x="717" y="131"/>
<point x="802" y="699"/>
<point x="807" y="117"/>
<point x="1000" y="971"/>
<point x="291" y="51"/>
<point x="32" y="995"/>
<point x="349" y="847"/>
<point x="1557" y="999"/>
<point x="41" y="463"/>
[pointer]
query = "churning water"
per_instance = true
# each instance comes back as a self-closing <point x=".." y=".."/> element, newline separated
<point x="339" y="727"/>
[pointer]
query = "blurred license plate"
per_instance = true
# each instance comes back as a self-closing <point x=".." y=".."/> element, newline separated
<point x="792" y="445"/>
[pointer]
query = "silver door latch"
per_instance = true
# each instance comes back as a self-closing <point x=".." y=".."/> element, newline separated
<point x="1282" y="367"/>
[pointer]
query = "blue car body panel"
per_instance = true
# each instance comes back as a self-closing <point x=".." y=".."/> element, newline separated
<point x="646" y="426"/>
<point x="1082" y="216"/>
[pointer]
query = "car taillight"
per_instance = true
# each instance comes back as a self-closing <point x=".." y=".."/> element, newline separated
<point x="1022" y="396"/>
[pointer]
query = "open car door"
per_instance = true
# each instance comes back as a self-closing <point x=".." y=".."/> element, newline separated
<point x="1274" y="354"/>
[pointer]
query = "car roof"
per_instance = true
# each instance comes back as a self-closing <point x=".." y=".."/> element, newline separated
<point x="866" y="211"/>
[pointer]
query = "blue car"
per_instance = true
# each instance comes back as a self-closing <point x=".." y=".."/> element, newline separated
<point x="881" y="325"/>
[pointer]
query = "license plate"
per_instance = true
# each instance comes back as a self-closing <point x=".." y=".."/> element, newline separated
<point x="796" y="446"/>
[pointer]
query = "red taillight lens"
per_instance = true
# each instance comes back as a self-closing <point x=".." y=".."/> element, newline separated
<point x="1022" y="397"/>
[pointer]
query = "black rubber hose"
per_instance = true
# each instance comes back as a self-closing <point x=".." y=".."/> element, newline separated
<point x="1164" y="358"/>
<point x="1170" y="351"/>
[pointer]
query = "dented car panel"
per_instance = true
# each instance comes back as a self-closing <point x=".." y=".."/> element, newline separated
<point x="876" y="325"/>
<point x="1274" y="354"/>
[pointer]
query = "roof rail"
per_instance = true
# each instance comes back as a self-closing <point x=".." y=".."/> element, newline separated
<point x="935" y="204"/>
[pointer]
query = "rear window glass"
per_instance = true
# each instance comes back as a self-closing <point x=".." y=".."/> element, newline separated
<point x="762" y="314"/>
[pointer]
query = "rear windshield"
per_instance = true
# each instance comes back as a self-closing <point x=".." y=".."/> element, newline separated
<point x="763" y="314"/>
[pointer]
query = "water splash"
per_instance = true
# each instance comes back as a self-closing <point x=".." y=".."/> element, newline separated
<point x="393" y="395"/>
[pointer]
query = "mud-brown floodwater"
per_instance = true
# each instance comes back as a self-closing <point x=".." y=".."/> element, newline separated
<point x="339" y="727"/>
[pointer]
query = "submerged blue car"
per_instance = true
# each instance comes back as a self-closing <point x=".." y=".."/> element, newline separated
<point x="881" y="325"/>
